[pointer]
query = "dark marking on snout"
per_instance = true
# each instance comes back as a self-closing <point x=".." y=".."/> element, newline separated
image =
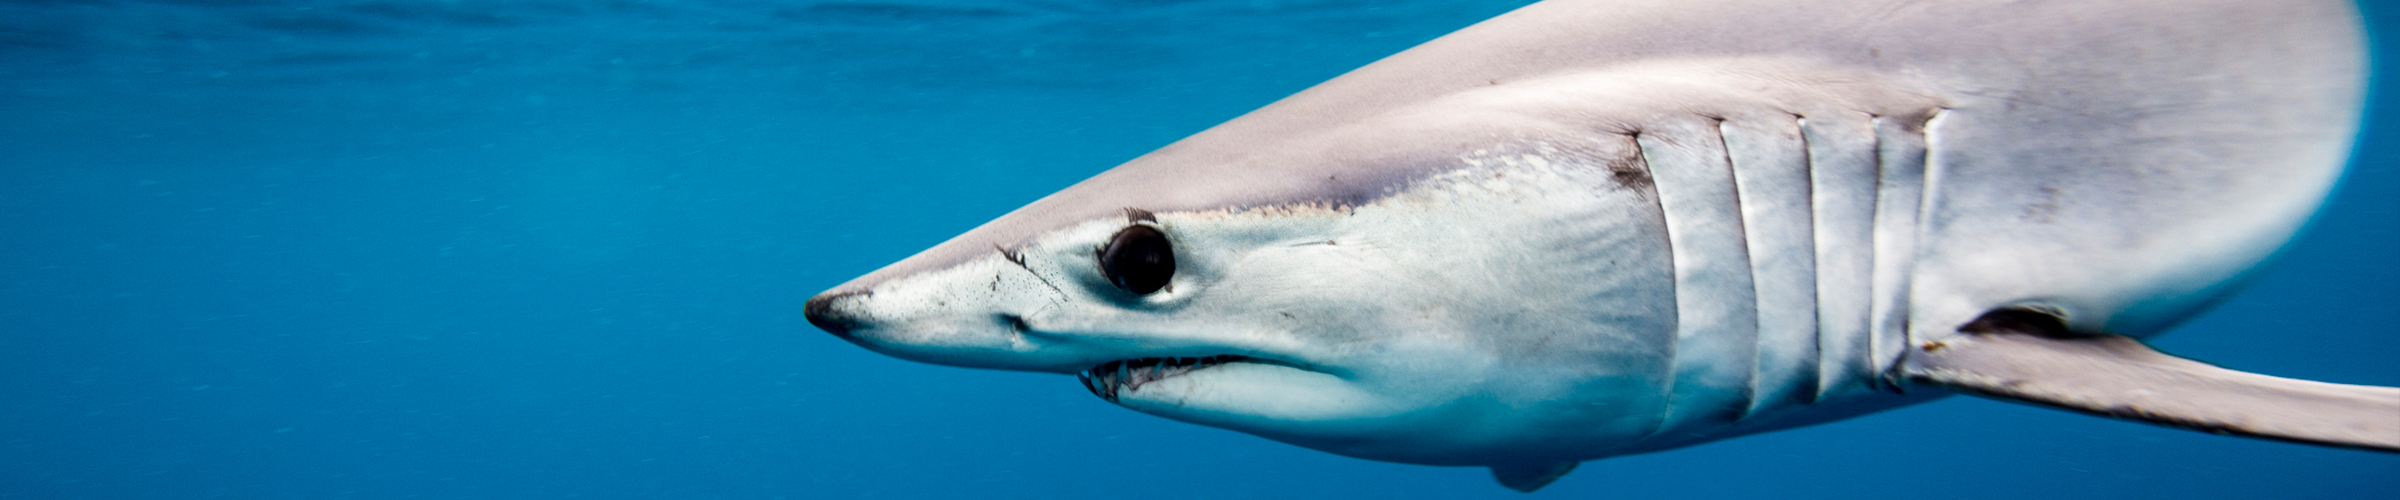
<point x="1018" y="258"/>
<point x="825" y="311"/>
<point x="1013" y="257"/>
<point x="1140" y="215"/>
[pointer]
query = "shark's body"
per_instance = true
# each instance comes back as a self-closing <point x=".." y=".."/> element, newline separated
<point x="1591" y="228"/>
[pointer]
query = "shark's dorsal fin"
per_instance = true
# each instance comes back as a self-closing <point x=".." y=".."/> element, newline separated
<point x="1527" y="478"/>
<point x="2030" y="357"/>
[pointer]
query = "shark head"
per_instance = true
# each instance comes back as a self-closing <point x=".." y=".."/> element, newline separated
<point x="1385" y="302"/>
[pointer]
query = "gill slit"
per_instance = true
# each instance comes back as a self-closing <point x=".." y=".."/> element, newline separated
<point x="1773" y="195"/>
<point x="1666" y="390"/>
<point x="1901" y="206"/>
<point x="1714" y="344"/>
<point x="1749" y="263"/>
<point x="1814" y="359"/>
<point x="1929" y="173"/>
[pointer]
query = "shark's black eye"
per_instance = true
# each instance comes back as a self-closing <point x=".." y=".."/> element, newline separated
<point x="1138" y="259"/>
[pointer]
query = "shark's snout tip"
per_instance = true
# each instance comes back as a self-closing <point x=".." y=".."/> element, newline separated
<point x="825" y="311"/>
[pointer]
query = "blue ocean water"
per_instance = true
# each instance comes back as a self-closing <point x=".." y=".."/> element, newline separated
<point x="557" y="249"/>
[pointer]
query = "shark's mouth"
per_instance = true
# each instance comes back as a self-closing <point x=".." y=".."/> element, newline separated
<point x="1112" y="377"/>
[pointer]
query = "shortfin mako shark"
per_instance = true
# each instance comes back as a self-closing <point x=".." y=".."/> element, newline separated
<point x="1591" y="228"/>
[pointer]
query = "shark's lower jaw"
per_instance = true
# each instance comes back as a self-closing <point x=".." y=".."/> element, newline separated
<point x="1110" y="378"/>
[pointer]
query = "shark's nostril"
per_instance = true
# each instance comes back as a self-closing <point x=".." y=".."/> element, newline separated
<point x="824" y="312"/>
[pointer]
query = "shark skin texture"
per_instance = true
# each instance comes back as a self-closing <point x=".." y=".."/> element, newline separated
<point x="1593" y="228"/>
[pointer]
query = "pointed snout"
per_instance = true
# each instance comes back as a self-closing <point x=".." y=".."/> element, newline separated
<point x="971" y="315"/>
<point x="830" y="311"/>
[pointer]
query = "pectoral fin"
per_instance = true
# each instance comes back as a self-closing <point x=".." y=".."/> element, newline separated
<point x="2029" y="357"/>
<point x="1527" y="478"/>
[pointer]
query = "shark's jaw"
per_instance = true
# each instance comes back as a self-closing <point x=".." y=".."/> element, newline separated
<point x="1396" y="330"/>
<point x="1115" y="377"/>
<point x="1276" y="399"/>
